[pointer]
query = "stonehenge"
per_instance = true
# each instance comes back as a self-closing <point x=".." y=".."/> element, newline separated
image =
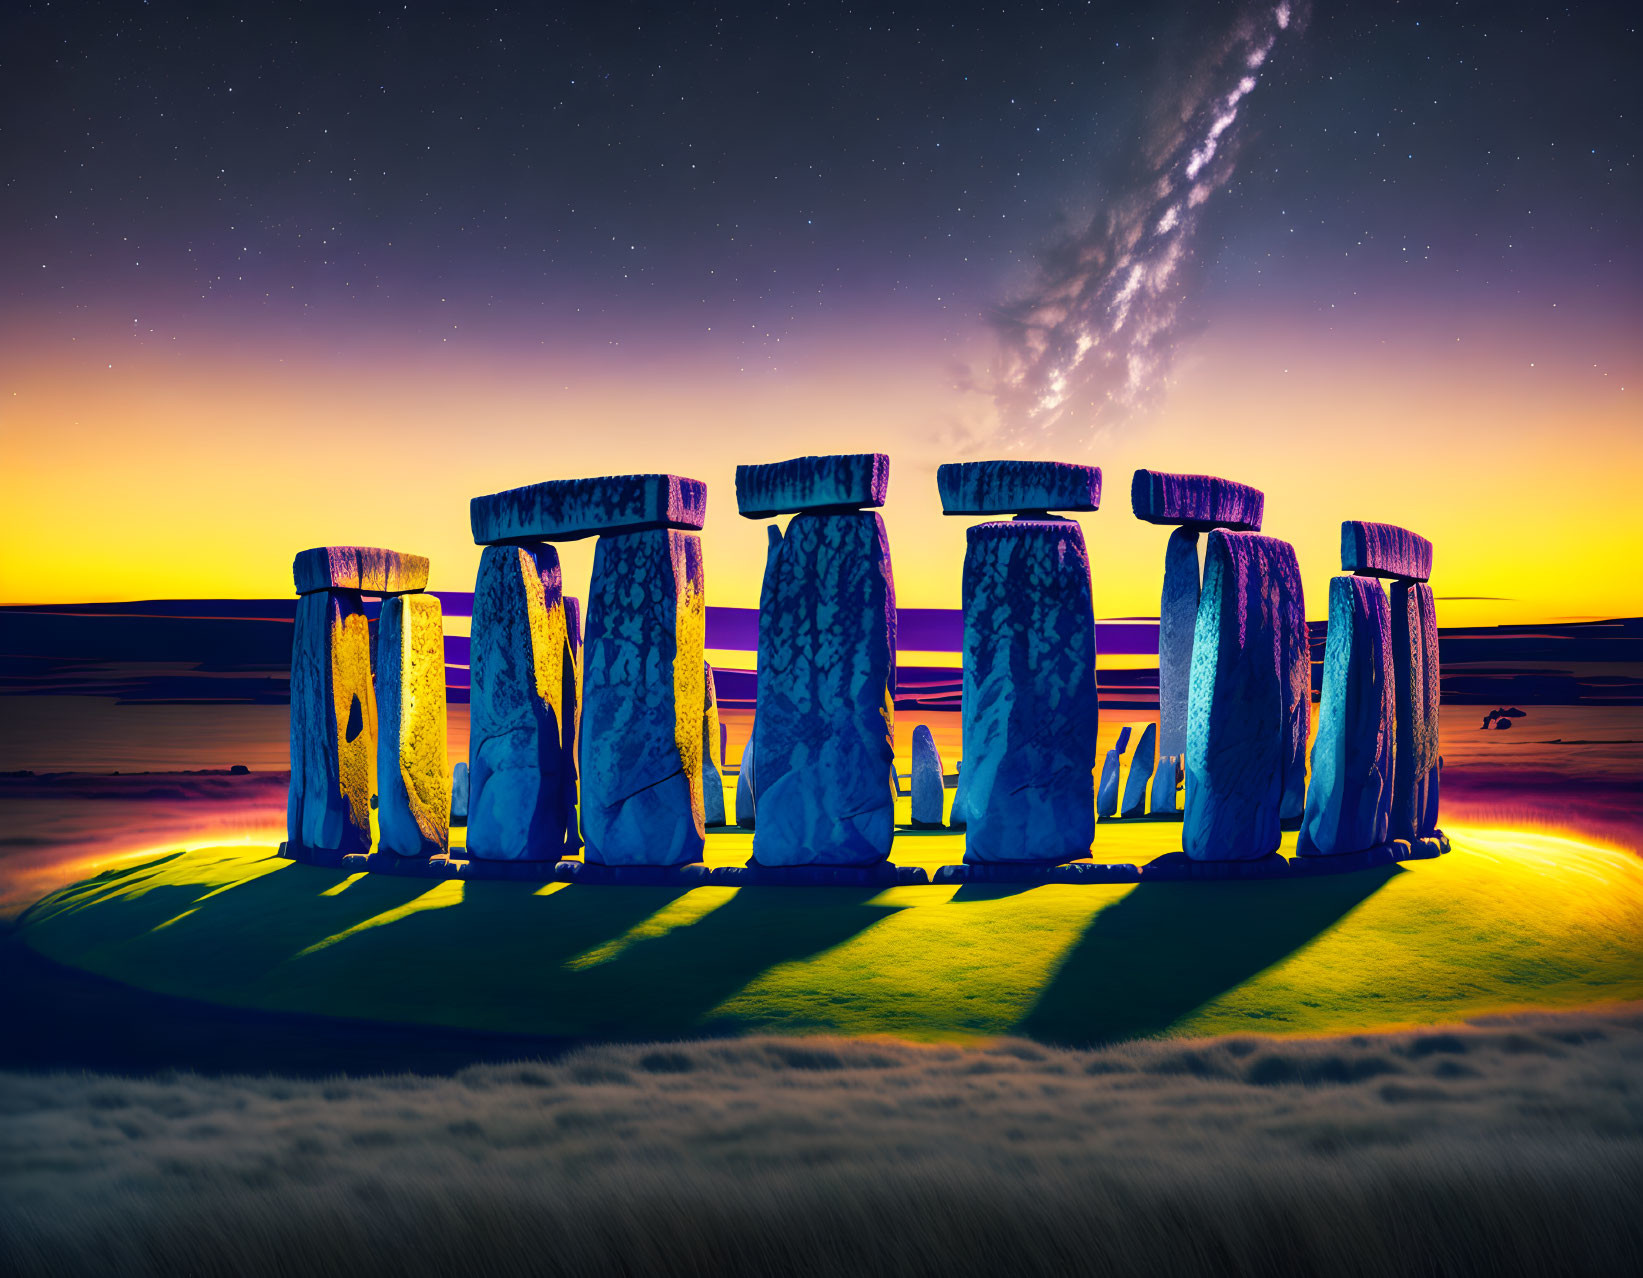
<point x="1375" y="761"/>
<point x="605" y="739"/>
<point x="1030" y="710"/>
<point x="823" y="752"/>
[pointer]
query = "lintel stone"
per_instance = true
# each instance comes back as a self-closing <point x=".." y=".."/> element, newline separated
<point x="1200" y="502"/>
<point x="1016" y="487"/>
<point x="571" y="509"/>
<point x="839" y="482"/>
<point x="1384" y="550"/>
<point x="367" y="569"/>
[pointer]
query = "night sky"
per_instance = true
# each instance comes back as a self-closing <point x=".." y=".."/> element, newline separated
<point x="945" y="231"/>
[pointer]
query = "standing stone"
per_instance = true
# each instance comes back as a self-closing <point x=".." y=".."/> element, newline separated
<point x="1236" y="707"/>
<point x="459" y="792"/>
<point x="1295" y="670"/>
<point x="1166" y="779"/>
<point x="1031" y="712"/>
<point x="1142" y="762"/>
<point x="414" y="804"/>
<point x="333" y="725"/>
<point x="641" y="756"/>
<point x="713" y="786"/>
<point x="928" y="782"/>
<point x="1416" y="677"/>
<point x="823" y="750"/>
<point x="572" y="726"/>
<point x="520" y="782"/>
<point x="1348" y="807"/>
<point x="744" y="781"/>
<point x="1177" y="617"/>
<point x="1106" y="793"/>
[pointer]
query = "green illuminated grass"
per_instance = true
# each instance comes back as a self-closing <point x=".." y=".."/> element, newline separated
<point x="1509" y="920"/>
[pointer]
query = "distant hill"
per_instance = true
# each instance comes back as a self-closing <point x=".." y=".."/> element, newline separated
<point x="237" y="651"/>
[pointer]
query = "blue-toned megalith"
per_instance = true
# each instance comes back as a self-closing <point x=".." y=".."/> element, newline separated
<point x="1164" y="799"/>
<point x="333" y="724"/>
<point x="521" y="785"/>
<point x="1142" y="761"/>
<point x="745" y="807"/>
<point x="928" y="783"/>
<point x="642" y="692"/>
<point x="1031" y="713"/>
<point x="1236" y="703"/>
<point x="1349" y="803"/>
<point x="823" y="751"/>
<point x="1112" y="770"/>
<point x="1177" y="617"/>
<point x="459" y="792"/>
<point x="1295" y="670"/>
<point x="713" y="786"/>
<point x="1416" y="675"/>
<point x="414" y="803"/>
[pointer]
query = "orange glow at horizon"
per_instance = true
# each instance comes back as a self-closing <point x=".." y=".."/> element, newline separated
<point x="198" y="473"/>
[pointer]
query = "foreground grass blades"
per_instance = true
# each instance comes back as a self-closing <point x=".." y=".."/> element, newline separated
<point x="1504" y="1148"/>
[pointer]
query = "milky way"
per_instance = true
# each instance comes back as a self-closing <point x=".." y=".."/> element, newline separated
<point x="1093" y="337"/>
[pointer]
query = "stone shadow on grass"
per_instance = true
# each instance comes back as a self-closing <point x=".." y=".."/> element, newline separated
<point x="1166" y="948"/>
<point x="594" y="961"/>
<point x="680" y="976"/>
<point x="57" y="1018"/>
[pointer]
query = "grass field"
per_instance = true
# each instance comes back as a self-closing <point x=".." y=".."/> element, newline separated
<point x="1509" y="920"/>
<point x="1510" y="1148"/>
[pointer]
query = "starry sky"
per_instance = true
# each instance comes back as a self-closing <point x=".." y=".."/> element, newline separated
<point x="285" y="275"/>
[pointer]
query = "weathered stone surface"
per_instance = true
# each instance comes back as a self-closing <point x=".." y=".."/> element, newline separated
<point x="367" y="569"/>
<point x="1177" y="618"/>
<point x="1415" y="676"/>
<point x="745" y="807"/>
<point x="713" y="786"/>
<point x="1349" y="803"/>
<point x="1164" y="797"/>
<point x="642" y="663"/>
<point x="459" y="793"/>
<point x="570" y="509"/>
<point x="1142" y="761"/>
<point x="842" y="481"/>
<point x="1295" y="672"/>
<point x="333" y="725"/>
<point x="1030" y="708"/>
<point x="521" y="785"/>
<point x="825" y="761"/>
<point x="1106" y="792"/>
<point x="1013" y="487"/>
<point x="414" y="784"/>
<point x="1384" y="550"/>
<point x="1236" y="706"/>
<point x="928" y="784"/>
<point x="1196" y="501"/>
<point x="570" y="728"/>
